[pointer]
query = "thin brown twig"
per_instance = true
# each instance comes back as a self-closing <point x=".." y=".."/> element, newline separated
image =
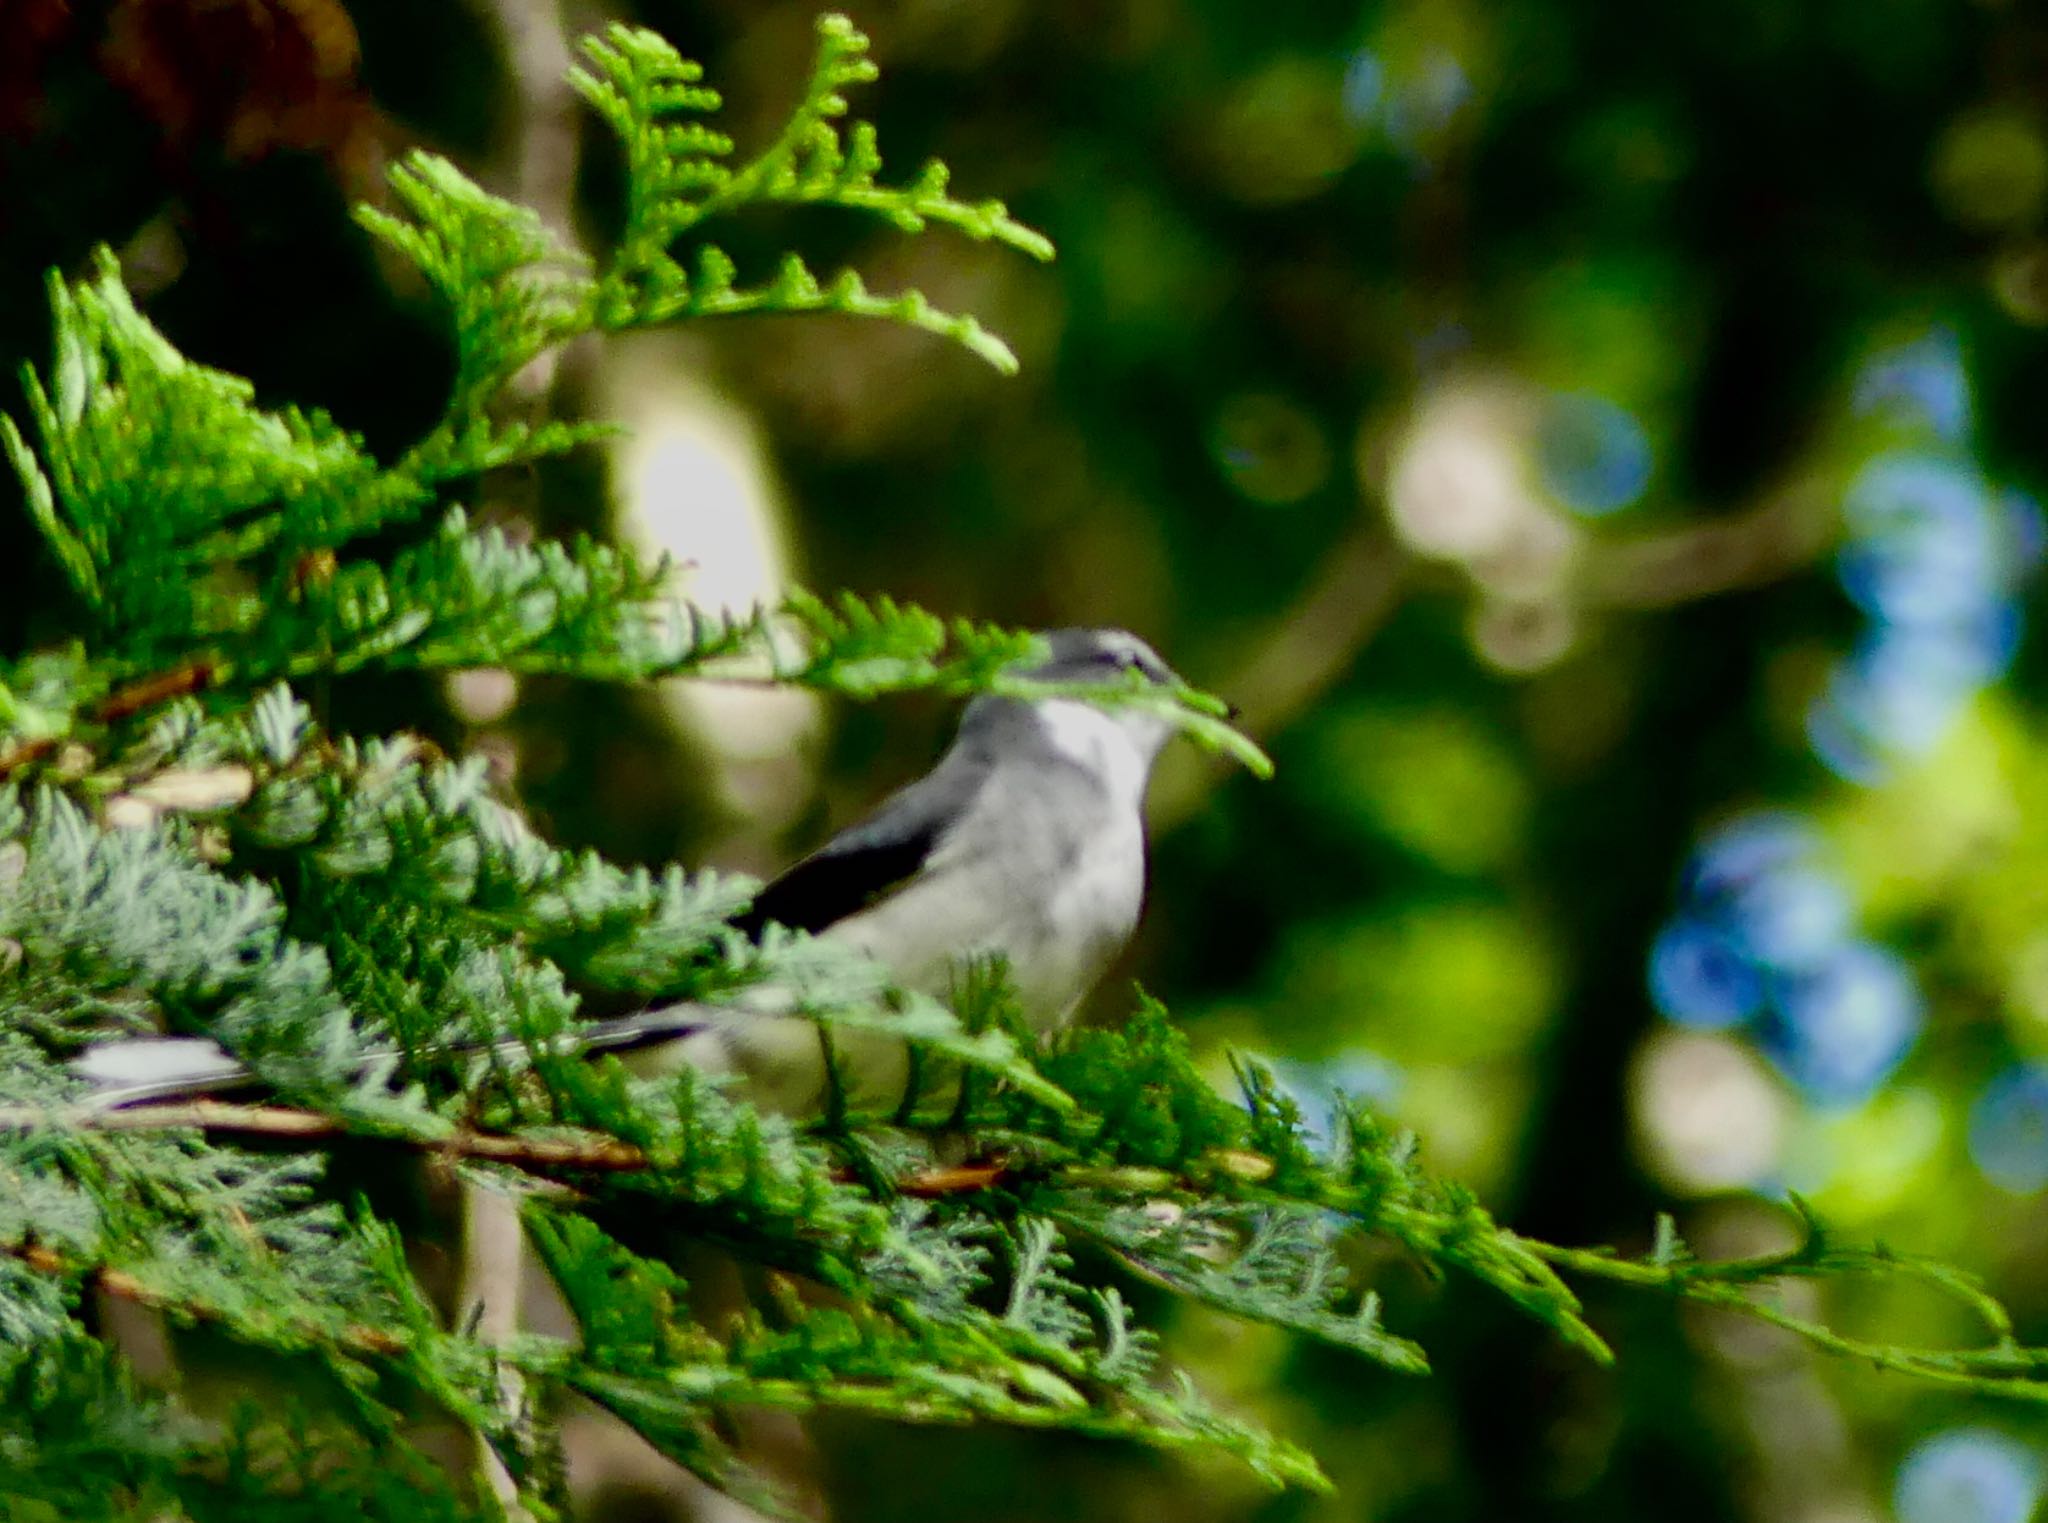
<point x="1776" y="538"/>
<point x="27" y="751"/>
<point x="589" y="1153"/>
<point x="190" y="676"/>
<point x="958" y="1180"/>
<point x="124" y="702"/>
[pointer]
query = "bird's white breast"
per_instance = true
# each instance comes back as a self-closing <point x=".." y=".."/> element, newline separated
<point x="1099" y="742"/>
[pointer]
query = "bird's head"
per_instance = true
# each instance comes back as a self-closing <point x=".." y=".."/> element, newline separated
<point x="1101" y="655"/>
<point x="1112" y="657"/>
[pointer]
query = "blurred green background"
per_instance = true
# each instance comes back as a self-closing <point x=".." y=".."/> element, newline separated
<point x="1591" y="442"/>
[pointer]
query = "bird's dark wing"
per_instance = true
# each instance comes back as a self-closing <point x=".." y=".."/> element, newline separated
<point x="864" y="862"/>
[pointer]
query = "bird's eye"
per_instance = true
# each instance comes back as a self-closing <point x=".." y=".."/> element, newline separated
<point x="1122" y="660"/>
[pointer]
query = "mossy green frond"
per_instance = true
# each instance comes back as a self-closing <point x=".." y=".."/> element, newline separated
<point x="71" y="552"/>
<point x="681" y="174"/>
<point x="155" y="470"/>
<point x="2002" y="1366"/>
<point x="512" y="287"/>
<point x="860" y="645"/>
<point x="87" y="1439"/>
<point x="1280" y="1259"/>
<point x="713" y="291"/>
<point x="1053" y="1355"/>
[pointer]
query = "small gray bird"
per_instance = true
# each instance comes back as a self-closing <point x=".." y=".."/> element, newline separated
<point x="1026" y="842"/>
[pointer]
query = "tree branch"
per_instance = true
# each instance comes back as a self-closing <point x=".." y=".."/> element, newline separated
<point x="1780" y="535"/>
<point x="588" y="1152"/>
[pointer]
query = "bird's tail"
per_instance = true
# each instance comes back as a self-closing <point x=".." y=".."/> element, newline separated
<point x="134" y="1070"/>
<point x="146" y="1070"/>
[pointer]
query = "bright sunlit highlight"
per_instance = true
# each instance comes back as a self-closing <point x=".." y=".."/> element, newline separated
<point x="1968" y="1475"/>
<point x="1707" y="1112"/>
<point x="693" y="482"/>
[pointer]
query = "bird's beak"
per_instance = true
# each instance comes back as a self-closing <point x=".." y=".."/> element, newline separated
<point x="1232" y="712"/>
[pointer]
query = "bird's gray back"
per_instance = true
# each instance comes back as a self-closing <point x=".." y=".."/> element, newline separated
<point x="1039" y="862"/>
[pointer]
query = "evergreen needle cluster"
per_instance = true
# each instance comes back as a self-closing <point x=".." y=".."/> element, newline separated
<point x="184" y="849"/>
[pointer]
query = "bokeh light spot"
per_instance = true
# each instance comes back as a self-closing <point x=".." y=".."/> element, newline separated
<point x="1456" y="483"/>
<point x="1268" y="448"/>
<point x="1968" y="1475"/>
<point x="1747" y="847"/>
<point x="1863" y="1161"/>
<point x="1990" y="167"/>
<point x="1759" y="879"/>
<point x="1920" y="385"/>
<point x="1281" y="134"/>
<point x="1523" y="635"/>
<point x="1425" y="101"/>
<point x="1707" y="1114"/>
<point x="1934" y="555"/>
<point x="2023" y="528"/>
<point x="1924" y="545"/>
<point x="1433" y="781"/>
<point x="1702" y="976"/>
<point x="1839" y="1029"/>
<point x="1445" y="983"/>
<point x="2019" y="281"/>
<point x="1592" y="454"/>
<point x="1365" y="87"/>
<point x="1901" y="695"/>
<point x="482" y="695"/>
<point x="2009" y="1130"/>
<point x="1318" y="1085"/>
